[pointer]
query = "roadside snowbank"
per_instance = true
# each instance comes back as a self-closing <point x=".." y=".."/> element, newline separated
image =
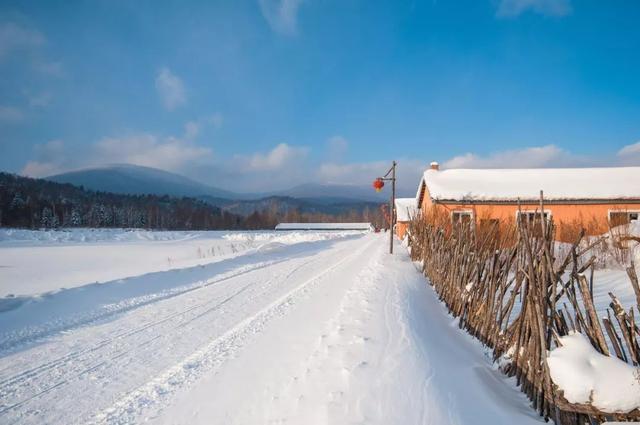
<point x="287" y="237"/>
<point x="38" y="262"/>
<point x="588" y="377"/>
<point x="79" y="235"/>
<point x="370" y="344"/>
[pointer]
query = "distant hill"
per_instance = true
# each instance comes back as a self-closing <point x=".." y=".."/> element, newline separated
<point x="282" y="205"/>
<point x="333" y="193"/>
<point x="39" y="203"/>
<point x="138" y="180"/>
<point x="309" y="198"/>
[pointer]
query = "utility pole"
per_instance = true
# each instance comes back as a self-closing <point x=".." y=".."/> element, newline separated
<point x="393" y="206"/>
<point x="378" y="184"/>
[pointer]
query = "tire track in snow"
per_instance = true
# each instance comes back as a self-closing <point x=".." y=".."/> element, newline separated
<point x="34" y="372"/>
<point x="10" y="342"/>
<point x="209" y="357"/>
<point x="63" y="361"/>
<point x="77" y="361"/>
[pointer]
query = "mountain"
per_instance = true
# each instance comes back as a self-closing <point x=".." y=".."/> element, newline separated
<point x="38" y="203"/>
<point x="284" y="204"/>
<point x="138" y="180"/>
<point x="334" y="193"/>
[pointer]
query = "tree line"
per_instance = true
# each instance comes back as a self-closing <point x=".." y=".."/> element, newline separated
<point x="37" y="203"/>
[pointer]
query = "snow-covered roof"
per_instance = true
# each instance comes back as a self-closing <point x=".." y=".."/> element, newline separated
<point x="525" y="184"/>
<point x="324" y="226"/>
<point x="406" y="208"/>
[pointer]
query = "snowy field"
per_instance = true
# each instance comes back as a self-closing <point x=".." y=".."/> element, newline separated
<point x="241" y="328"/>
<point x="36" y="262"/>
<point x="234" y="328"/>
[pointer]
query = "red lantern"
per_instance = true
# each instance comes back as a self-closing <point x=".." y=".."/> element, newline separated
<point x="378" y="184"/>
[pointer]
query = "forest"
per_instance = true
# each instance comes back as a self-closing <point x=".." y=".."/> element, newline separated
<point x="36" y="203"/>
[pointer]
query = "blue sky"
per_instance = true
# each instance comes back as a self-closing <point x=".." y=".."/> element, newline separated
<point x="264" y="94"/>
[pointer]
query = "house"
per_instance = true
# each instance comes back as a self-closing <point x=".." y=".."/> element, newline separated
<point x="325" y="226"/>
<point x="591" y="198"/>
<point x="406" y="210"/>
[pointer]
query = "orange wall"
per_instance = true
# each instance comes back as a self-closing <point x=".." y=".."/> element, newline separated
<point x="401" y="229"/>
<point x="593" y="216"/>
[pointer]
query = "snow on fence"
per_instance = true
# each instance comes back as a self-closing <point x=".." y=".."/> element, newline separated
<point x="533" y="306"/>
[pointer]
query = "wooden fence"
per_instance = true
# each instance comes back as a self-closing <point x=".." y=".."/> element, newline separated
<point x="509" y="290"/>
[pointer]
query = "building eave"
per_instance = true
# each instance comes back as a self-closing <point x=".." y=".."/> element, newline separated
<point x="535" y="201"/>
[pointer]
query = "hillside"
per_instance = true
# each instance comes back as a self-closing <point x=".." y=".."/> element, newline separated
<point x="285" y="204"/>
<point x="137" y="180"/>
<point x="333" y="193"/>
<point x="38" y="203"/>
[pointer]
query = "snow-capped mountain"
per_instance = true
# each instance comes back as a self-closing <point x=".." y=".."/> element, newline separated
<point x="138" y="180"/>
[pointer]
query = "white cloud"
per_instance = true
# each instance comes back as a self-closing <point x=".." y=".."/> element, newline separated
<point x="146" y="149"/>
<point x="408" y="173"/>
<point x="281" y="167"/>
<point x="39" y="169"/>
<point x="14" y="37"/>
<point x="49" y="159"/>
<point x="10" y="114"/>
<point x="279" y="158"/>
<point x="167" y="153"/>
<point x="171" y="89"/>
<point x="193" y="128"/>
<point x="513" y="8"/>
<point x="633" y="149"/>
<point x="354" y="173"/>
<point x="630" y="154"/>
<point x="282" y="15"/>
<point x="337" y="148"/>
<point x="532" y="157"/>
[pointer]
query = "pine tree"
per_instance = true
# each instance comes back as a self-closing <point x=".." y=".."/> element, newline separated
<point x="46" y="218"/>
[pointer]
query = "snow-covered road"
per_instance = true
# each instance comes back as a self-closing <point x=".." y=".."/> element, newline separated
<point x="329" y="331"/>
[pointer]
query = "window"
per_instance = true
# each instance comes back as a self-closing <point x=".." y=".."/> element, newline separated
<point x="533" y="218"/>
<point x="619" y="217"/>
<point x="461" y="217"/>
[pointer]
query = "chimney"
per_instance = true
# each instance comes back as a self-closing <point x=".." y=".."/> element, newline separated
<point x="435" y="166"/>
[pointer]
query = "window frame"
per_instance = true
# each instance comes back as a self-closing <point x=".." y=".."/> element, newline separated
<point x="547" y="213"/>
<point x="623" y="211"/>
<point x="461" y="213"/>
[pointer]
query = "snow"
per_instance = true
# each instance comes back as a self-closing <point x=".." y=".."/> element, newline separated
<point x="103" y="255"/>
<point x="587" y="376"/>
<point x="406" y="208"/>
<point x="324" y="226"/>
<point x="511" y="184"/>
<point x="24" y="236"/>
<point x="331" y="330"/>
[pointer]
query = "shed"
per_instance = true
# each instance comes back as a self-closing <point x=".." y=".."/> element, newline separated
<point x="406" y="210"/>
